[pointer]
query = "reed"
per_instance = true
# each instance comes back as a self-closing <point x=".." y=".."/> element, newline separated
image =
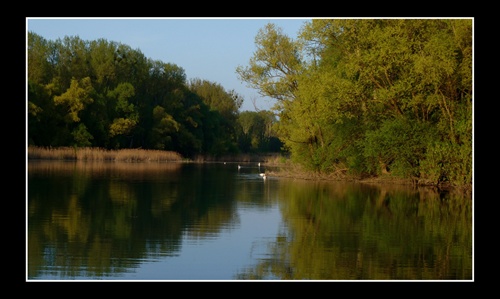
<point x="99" y="154"/>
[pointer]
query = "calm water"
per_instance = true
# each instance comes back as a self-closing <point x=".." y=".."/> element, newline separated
<point x="176" y="221"/>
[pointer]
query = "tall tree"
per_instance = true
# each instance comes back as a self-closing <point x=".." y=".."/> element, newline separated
<point x="72" y="102"/>
<point x="273" y="68"/>
<point x="373" y="95"/>
<point x="224" y="108"/>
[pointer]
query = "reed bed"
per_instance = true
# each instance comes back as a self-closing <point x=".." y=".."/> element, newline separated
<point x="99" y="154"/>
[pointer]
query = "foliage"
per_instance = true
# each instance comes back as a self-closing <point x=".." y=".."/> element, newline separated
<point x="105" y="94"/>
<point x="75" y="99"/>
<point x="275" y="63"/>
<point x="256" y="132"/>
<point x="81" y="136"/>
<point x="361" y="96"/>
<point x="372" y="96"/>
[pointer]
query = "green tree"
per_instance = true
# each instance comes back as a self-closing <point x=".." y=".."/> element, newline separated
<point x="126" y="115"/>
<point x="103" y="60"/>
<point x="372" y="95"/>
<point x="43" y="122"/>
<point x="251" y="131"/>
<point x="72" y="102"/>
<point x="164" y="127"/>
<point x="256" y="132"/>
<point x="276" y="62"/>
<point x="222" y="118"/>
<point x="75" y="98"/>
<point x="39" y="66"/>
<point x="71" y="57"/>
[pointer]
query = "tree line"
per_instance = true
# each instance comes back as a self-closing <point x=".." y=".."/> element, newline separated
<point x="105" y="94"/>
<point x="372" y="96"/>
<point x="364" y="97"/>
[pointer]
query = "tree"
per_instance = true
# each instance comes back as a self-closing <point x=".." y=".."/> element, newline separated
<point x="126" y="115"/>
<point x="75" y="99"/>
<point x="222" y="118"/>
<point x="256" y="132"/>
<point x="273" y="69"/>
<point x="227" y="103"/>
<point x="39" y="66"/>
<point x="164" y="127"/>
<point x="103" y="60"/>
<point x="372" y="95"/>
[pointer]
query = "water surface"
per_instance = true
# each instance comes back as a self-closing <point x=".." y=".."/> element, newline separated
<point x="187" y="221"/>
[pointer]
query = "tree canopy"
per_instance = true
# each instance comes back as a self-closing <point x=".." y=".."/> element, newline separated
<point x="106" y="94"/>
<point x="372" y="96"/>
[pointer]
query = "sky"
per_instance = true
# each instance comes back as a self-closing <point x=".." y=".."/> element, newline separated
<point x="206" y="48"/>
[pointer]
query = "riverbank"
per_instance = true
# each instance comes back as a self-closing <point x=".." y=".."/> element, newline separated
<point x="296" y="172"/>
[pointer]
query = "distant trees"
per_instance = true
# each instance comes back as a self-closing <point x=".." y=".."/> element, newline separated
<point x="105" y="94"/>
<point x="372" y="96"/>
<point x="257" y="133"/>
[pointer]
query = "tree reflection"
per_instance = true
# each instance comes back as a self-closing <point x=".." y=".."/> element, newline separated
<point x="341" y="231"/>
<point x="98" y="221"/>
<point x="103" y="227"/>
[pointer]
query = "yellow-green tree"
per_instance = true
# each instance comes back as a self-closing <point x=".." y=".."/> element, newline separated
<point x="73" y="101"/>
<point x="372" y="96"/>
<point x="273" y="69"/>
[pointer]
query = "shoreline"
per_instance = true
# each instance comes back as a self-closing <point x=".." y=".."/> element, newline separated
<point x="279" y="165"/>
<point x="378" y="180"/>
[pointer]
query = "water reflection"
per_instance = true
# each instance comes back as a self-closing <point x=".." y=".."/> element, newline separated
<point x="339" y="231"/>
<point x="213" y="221"/>
<point x="98" y="220"/>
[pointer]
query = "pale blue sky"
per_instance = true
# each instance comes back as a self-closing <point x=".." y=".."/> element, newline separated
<point x="206" y="48"/>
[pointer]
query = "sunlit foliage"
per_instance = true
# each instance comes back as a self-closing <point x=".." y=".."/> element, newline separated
<point x="373" y="96"/>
